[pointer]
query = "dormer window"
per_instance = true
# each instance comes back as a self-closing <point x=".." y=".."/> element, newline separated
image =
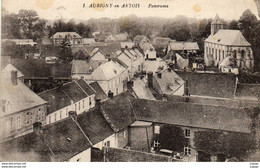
<point x="115" y="71"/>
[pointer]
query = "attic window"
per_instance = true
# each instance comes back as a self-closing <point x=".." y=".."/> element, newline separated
<point x="219" y="40"/>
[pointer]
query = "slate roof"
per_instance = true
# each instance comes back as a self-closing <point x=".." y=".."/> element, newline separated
<point x="178" y="46"/>
<point x="214" y="85"/>
<point x="118" y="111"/>
<point x="63" y="96"/>
<point x="20" y="96"/>
<point x="37" y="68"/>
<point x="193" y="115"/>
<point x="100" y="94"/>
<point x="108" y="71"/>
<point x="228" y="37"/>
<point x="64" y="34"/>
<point x="106" y="48"/>
<point x="63" y="137"/>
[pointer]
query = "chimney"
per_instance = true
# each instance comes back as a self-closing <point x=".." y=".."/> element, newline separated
<point x="98" y="103"/>
<point x="73" y="115"/>
<point x="110" y="94"/>
<point x="130" y="84"/>
<point x="150" y="79"/>
<point x="169" y="70"/>
<point x="37" y="126"/>
<point x="159" y="75"/>
<point x="14" y="77"/>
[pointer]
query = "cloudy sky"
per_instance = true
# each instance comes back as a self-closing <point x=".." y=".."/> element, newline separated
<point x="49" y="9"/>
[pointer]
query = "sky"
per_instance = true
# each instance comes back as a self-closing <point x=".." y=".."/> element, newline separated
<point x="73" y="9"/>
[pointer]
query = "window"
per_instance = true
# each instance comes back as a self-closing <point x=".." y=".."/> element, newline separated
<point x="124" y="133"/>
<point x="66" y="111"/>
<point x="187" y="150"/>
<point x="61" y="114"/>
<point x="107" y="144"/>
<point x="156" y="143"/>
<point x="28" y="118"/>
<point x="83" y="104"/>
<point x="79" y="105"/>
<point x="37" y="117"/>
<point x="79" y="159"/>
<point x="75" y="107"/>
<point x="89" y="100"/>
<point x="18" y="122"/>
<point x="43" y="115"/>
<point x="157" y="129"/>
<point x="49" y="119"/>
<point x="187" y="133"/>
<point x="55" y="116"/>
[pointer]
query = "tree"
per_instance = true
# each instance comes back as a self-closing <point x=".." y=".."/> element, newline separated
<point x="230" y="144"/>
<point x="66" y="52"/>
<point x="172" y="138"/>
<point x="233" y="25"/>
<point x="247" y="22"/>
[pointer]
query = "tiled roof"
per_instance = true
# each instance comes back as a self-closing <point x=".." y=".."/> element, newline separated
<point x="100" y="94"/>
<point x="177" y="46"/>
<point x="82" y="55"/>
<point x="20" y="96"/>
<point x="106" y="48"/>
<point x="63" y="137"/>
<point x="118" y="111"/>
<point x="248" y="91"/>
<point x="169" y="82"/>
<point x="214" y="85"/>
<point x="37" y="68"/>
<point x="63" y="96"/>
<point x="83" y="66"/>
<point x="193" y="115"/>
<point x="228" y="37"/>
<point x="64" y="34"/>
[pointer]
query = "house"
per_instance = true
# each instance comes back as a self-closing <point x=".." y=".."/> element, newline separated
<point x="148" y="50"/>
<point x="160" y="45"/>
<point x="121" y="36"/>
<point x="186" y="47"/>
<point x="176" y="59"/>
<point x="190" y="118"/>
<point x="21" y="42"/>
<point x="139" y="38"/>
<point x="99" y="92"/>
<point x="224" y="43"/>
<point x="127" y="44"/>
<point x="133" y="60"/>
<point x="39" y="76"/>
<point x="70" y="139"/>
<point x="73" y="38"/>
<point x="75" y="96"/>
<point x="20" y="107"/>
<point x="107" y="49"/>
<point x="167" y="82"/>
<point x="111" y="76"/>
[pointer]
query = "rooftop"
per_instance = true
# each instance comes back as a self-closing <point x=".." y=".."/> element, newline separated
<point x="64" y="34"/>
<point x="100" y="94"/>
<point x="228" y="37"/>
<point x="178" y="46"/>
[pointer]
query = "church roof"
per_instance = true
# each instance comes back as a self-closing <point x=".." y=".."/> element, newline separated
<point x="228" y="37"/>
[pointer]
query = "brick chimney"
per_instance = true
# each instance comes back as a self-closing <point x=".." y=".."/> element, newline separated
<point x="37" y="126"/>
<point x="150" y="79"/>
<point x="73" y="115"/>
<point x="14" y="77"/>
<point x="110" y="94"/>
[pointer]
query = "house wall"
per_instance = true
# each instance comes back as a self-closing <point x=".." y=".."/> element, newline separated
<point x="84" y="156"/>
<point x="85" y="105"/>
<point x="114" y="85"/>
<point x="85" y="76"/>
<point x="180" y="91"/>
<point x="16" y="124"/>
<point x="112" y="142"/>
<point x="122" y="138"/>
<point x="138" y="138"/>
<point x="150" y="54"/>
<point x="98" y="56"/>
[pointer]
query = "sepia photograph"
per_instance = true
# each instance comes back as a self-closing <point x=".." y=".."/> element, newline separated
<point x="130" y="81"/>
